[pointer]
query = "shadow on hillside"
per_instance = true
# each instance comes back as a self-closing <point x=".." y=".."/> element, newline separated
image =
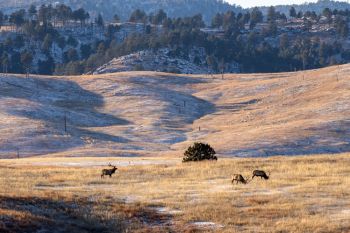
<point x="57" y="103"/>
<point x="235" y="107"/>
<point x="331" y="138"/>
<point x="160" y="79"/>
<point x="180" y="106"/>
<point x="46" y="215"/>
<point x="183" y="107"/>
<point x="173" y="95"/>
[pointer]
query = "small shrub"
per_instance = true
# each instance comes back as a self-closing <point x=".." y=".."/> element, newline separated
<point x="199" y="152"/>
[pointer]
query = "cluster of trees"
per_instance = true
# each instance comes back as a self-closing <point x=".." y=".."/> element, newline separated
<point x="252" y="49"/>
<point x="45" y="15"/>
<point x="232" y="21"/>
<point x="39" y="26"/>
<point x="340" y="19"/>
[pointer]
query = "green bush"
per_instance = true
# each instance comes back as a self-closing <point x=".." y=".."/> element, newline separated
<point x="198" y="152"/>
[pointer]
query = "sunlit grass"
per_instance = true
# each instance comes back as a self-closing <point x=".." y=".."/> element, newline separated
<point x="304" y="194"/>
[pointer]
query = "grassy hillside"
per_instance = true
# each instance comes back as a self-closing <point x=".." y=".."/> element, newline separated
<point x="303" y="194"/>
<point x="148" y="113"/>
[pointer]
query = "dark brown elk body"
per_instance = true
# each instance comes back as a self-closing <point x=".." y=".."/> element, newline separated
<point x="261" y="174"/>
<point x="239" y="179"/>
<point x="108" y="172"/>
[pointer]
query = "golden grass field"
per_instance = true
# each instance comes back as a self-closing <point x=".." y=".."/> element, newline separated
<point x="303" y="194"/>
<point x="143" y="121"/>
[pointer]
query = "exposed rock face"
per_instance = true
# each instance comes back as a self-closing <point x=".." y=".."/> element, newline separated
<point x="162" y="60"/>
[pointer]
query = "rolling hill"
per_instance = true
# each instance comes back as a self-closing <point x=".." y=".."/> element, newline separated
<point x="158" y="114"/>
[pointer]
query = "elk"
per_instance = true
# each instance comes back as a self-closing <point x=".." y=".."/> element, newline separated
<point x="108" y="172"/>
<point x="239" y="178"/>
<point x="260" y="173"/>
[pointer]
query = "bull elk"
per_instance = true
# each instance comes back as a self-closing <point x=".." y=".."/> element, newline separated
<point x="261" y="174"/>
<point x="239" y="179"/>
<point x="108" y="172"/>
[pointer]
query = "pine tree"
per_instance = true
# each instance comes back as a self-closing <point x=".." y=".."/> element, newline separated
<point x="26" y="60"/>
<point x="292" y="12"/>
<point x="199" y="152"/>
<point x="99" y="21"/>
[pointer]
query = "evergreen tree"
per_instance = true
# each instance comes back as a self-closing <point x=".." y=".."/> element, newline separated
<point x="138" y="16"/>
<point x="80" y="15"/>
<point x="328" y="14"/>
<point x="47" y="43"/>
<point x="15" y="63"/>
<point x="17" y="18"/>
<point x="2" y="18"/>
<point x="300" y="15"/>
<point x="32" y="11"/>
<point x="199" y="152"/>
<point x="292" y="12"/>
<point x="271" y="14"/>
<point x="159" y="18"/>
<point x="256" y="16"/>
<point x="116" y="18"/>
<point x="71" y="55"/>
<point x="99" y="21"/>
<point x="18" y="42"/>
<point x="5" y="62"/>
<point x="72" y="41"/>
<point x="85" y="51"/>
<point x="47" y="66"/>
<point x="26" y="60"/>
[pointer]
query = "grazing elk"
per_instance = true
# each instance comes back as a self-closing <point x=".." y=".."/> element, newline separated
<point x="239" y="178"/>
<point x="108" y="172"/>
<point x="260" y="173"/>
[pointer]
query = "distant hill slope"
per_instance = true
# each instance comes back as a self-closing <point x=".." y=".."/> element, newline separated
<point x="174" y="8"/>
<point x="108" y="8"/>
<point x="148" y="113"/>
<point x="318" y="6"/>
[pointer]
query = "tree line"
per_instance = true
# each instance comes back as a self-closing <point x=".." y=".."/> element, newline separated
<point x="250" y="48"/>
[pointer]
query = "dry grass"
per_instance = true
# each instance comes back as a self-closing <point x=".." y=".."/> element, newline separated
<point x="304" y="194"/>
<point x="156" y="114"/>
